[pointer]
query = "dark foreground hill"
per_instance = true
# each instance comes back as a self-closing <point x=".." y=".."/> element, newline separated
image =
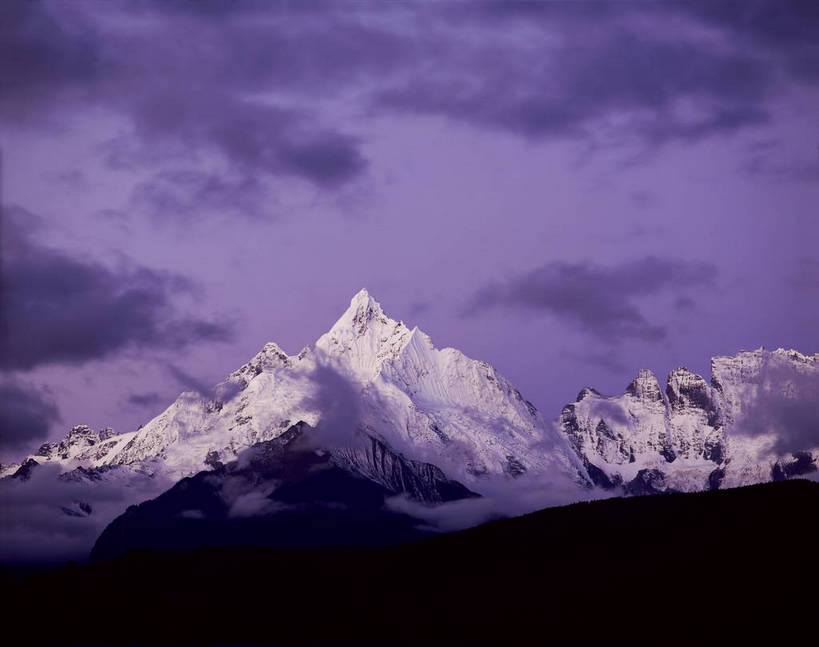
<point x="285" y="492"/>
<point x="706" y="568"/>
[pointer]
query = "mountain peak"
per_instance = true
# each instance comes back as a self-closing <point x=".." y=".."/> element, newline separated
<point x="362" y="312"/>
<point x="645" y="386"/>
<point x="364" y="337"/>
<point x="362" y="296"/>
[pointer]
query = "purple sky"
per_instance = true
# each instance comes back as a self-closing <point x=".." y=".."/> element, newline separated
<point x="569" y="191"/>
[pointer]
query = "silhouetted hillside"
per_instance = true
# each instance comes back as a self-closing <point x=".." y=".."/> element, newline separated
<point x="700" y="568"/>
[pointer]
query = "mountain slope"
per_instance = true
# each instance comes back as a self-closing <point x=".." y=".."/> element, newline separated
<point x="288" y="491"/>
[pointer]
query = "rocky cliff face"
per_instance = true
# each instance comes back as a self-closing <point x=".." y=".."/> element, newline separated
<point x="695" y="434"/>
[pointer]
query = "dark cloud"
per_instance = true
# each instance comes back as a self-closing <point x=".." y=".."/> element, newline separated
<point x="659" y="89"/>
<point x="601" y="300"/>
<point x="252" y="137"/>
<point x="189" y="86"/>
<point x="57" y="308"/>
<point x="247" y="80"/>
<point x="150" y="399"/>
<point x="41" y="58"/>
<point x="26" y="414"/>
<point x="783" y="29"/>
<point x="786" y="29"/>
<point x="206" y="9"/>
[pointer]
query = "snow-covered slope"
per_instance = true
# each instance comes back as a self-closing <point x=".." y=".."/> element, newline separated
<point x="698" y="435"/>
<point x="369" y="377"/>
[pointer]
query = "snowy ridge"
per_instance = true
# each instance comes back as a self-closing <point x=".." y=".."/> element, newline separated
<point x="695" y="435"/>
<point x="81" y="447"/>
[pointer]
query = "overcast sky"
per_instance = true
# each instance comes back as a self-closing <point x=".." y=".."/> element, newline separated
<point x="569" y="191"/>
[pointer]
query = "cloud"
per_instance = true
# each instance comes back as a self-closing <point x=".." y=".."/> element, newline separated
<point x="186" y="194"/>
<point x="765" y="164"/>
<point x="606" y="77"/>
<point x="337" y="398"/>
<point x="253" y="137"/>
<point x="26" y="414"/>
<point x="258" y="85"/>
<point x="786" y="405"/>
<point x="224" y="391"/>
<point x="601" y="300"/>
<point x="57" y="308"/>
<point x="784" y="29"/>
<point x="36" y="530"/>
<point x="187" y="87"/>
<point x="255" y="503"/>
<point x="149" y="399"/>
<point x="188" y="381"/>
<point x="606" y="410"/>
<point x="500" y="497"/>
<point x="41" y="59"/>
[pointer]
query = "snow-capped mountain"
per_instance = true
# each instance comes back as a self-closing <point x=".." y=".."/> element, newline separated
<point x="368" y="380"/>
<point x="696" y="435"/>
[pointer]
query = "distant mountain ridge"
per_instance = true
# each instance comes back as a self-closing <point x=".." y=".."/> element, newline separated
<point x="693" y="434"/>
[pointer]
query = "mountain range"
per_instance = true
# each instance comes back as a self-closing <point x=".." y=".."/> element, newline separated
<point x="373" y="405"/>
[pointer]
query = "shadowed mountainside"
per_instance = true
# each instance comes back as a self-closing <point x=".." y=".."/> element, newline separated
<point x="285" y="492"/>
